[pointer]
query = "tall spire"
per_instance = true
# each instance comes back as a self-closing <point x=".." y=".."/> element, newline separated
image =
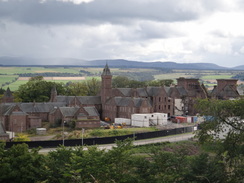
<point x="8" y="93"/>
<point x="106" y="71"/>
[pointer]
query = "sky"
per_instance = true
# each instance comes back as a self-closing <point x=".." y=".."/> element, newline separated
<point x="182" y="31"/>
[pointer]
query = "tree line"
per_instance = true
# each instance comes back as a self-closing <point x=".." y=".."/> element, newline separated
<point x="239" y="76"/>
<point x="39" y="90"/>
<point x="56" y="74"/>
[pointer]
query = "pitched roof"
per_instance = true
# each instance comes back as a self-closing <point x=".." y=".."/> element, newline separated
<point x="122" y="101"/>
<point x="182" y="91"/>
<point x="6" y="108"/>
<point x="106" y="71"/>
<point x="125" y="91"/>
<point x="90" y="100"/>
<point x="153" y="91"/>
<point x="125" y="101"/>
<point x="39" y="107"/>
<point x="228" y="91"/>
<point x="142" y="92"/>
<point x="167" y="89"/>
<point x="68" y="111"/>
<point x="92" y="111"/>
<point x="65" y="99"/>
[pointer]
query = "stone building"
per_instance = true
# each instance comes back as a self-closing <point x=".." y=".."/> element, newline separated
<point x="110" y="103"/>
<point x="225" y="89"/>
<point x="122" y="102"/>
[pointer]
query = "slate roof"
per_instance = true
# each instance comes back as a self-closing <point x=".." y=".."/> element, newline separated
<point x="68" y="111"/>
<point x="65" y="99"/>
<point x="167" y="89"/>
<point x="125" y="91"/>
<point x="142" y="92"/>
<point x="122" y="101"/>
<point x="6" y="108"/>
<point x="153" y="91"/>
<point x="125" y="101"/>
<point x="227" y="91"/>
<point x="92" y="100"/>
<point x="181" y="90"/>
<point x="92" y="111"/>
<point x="39" y="107"/>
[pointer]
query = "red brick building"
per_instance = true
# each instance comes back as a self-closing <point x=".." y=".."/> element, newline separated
<point x="225" y="89"/>
<point x="122" y="102"/>
<point x="110" y="103"/>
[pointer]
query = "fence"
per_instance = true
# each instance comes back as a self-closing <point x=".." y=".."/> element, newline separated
<point x="102" y="140"/>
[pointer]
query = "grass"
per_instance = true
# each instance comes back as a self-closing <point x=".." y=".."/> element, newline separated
<point x="15" y="85"/>
<point x="202" y="74"/>
<point x="98" y="132"/>
<point x="6" y="78"/>
<point x="172" y="76"/>
<point x="212" y="77"/>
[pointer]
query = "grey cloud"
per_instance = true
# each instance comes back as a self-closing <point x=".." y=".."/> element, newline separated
<point x="97" y="11"/>
<point x="2" y="26"/>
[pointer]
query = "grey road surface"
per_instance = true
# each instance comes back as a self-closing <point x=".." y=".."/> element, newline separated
<point x="173" y="138"/>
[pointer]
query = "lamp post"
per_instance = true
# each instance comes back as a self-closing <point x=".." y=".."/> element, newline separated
<point x="82" y="137"/>
<point x="63" y="132"/>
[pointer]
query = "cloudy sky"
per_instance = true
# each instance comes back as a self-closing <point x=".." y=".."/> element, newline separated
<point x="182" y="31"/>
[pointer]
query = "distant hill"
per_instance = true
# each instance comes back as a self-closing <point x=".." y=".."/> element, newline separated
<point x="27" y="61"/>
<point x="167" y="65"/>
<point x="240" y="67"/>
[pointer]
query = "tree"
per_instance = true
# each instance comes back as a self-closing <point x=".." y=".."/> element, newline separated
<point x="84" y="88"/>
<point x="19" y="164"/>
<point x="38" y="90"/>
<point x="161" y="82"/>
<point x="77" y="88"/>
<point x="224" y="127"/>
<point x="125" y="82"/>
<point x="120" y="82"/>
<point x="93" y="87"/>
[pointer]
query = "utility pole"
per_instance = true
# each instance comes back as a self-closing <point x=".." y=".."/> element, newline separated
<point x="82" y="137"/>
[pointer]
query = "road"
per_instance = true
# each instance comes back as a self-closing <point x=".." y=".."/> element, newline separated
<point x="173" y="138"/>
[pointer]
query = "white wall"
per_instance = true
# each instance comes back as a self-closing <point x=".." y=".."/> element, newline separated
<point x="145" y="120"/>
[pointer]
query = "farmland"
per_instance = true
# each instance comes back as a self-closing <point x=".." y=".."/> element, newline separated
<point x="12" y="77"/>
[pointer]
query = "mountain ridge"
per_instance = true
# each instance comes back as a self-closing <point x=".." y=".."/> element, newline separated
<point x="22" y="61"/>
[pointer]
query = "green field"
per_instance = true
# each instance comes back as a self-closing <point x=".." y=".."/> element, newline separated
<point x="7" y="79"/>
<point x="211" y="77"/>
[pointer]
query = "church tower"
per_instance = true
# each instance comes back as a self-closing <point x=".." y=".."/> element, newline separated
<point x="8" y="97"/>
<point x="106" y="88"/>
<point x="54" y="93"/>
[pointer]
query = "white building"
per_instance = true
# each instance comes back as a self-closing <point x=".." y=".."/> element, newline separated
<point x="146" y="120"/>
